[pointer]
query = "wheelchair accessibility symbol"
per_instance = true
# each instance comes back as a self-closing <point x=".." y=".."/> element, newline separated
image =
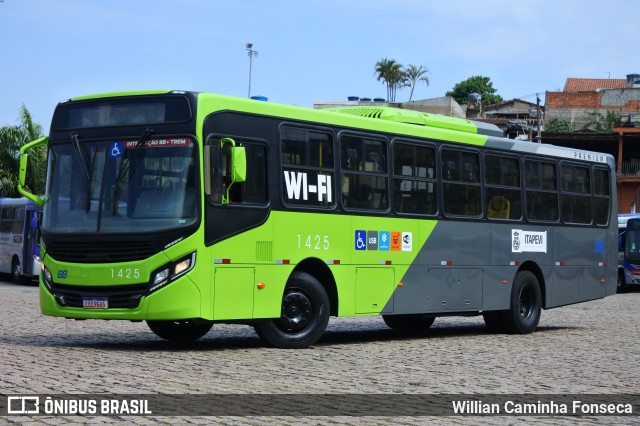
<point x="360" y="240"/>
<point x="117" y="149"/>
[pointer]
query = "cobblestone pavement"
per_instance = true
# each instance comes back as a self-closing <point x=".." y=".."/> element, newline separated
<point x="588" y="348"/>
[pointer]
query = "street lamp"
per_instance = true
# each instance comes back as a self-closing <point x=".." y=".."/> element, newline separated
<point x="251" y="53"/>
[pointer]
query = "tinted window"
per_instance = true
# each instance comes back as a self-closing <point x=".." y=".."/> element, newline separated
<point x="576" y="194"/>
<point x="414" y="179"/>
<point x="502" y="181"/>
<point x="307" y="167"/>
<point x="541" y="190"/>
<point x="461" y="182"/>
<point x="601" y="199"/>
<point x="364" y="173"/>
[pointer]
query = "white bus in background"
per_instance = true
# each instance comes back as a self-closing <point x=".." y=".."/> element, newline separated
<point x="19" y="250"/>
<point x="628" y="271"/>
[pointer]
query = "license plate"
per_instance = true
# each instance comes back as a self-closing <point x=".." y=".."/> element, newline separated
<point x="95" y="303"/>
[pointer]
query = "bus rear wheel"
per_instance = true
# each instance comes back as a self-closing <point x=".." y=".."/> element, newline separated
<point x="413" y="323"/>
<point x="304" y="315"/>
<point x="181" y="330"/>
<point x="526" y="305"/>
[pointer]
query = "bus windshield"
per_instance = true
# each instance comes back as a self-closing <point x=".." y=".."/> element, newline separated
<point x="632" y="240"/>
<point x="119" y="186"/>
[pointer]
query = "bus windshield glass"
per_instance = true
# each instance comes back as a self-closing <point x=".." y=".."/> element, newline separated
<point x="632" y="240"/>
<point x="121" y="185"/>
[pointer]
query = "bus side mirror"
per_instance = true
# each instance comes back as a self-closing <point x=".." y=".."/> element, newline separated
<point x="22" y="176"/>
<point x="237" y="166"/>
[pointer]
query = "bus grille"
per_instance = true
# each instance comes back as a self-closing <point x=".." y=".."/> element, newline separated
<point x="100" y="252"/>
<point x="122" y="296"/>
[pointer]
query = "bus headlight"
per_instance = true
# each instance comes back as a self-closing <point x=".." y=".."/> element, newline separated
<point x="46" y="277"/>
<point x="172" y="271"/>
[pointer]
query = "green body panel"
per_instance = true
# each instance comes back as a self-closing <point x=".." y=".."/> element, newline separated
<point x="268" y="254"/>
<point x="175" y="301"/>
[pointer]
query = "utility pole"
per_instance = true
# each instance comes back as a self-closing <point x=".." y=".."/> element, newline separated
<point x="538" y="117"/>
<point x="251" y="53"/>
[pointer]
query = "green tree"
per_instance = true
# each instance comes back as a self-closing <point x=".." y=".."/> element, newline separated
<point x="559" y="125"/>
<point x="415" y="74"/>
<point x="475" y="84"/>
<point x="12" y="138"/>
<point x="601" y="123"/>
<point x="392" y="74"/>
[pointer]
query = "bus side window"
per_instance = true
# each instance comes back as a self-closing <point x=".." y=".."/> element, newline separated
<point x="364" y="180"/>
<point x="601" y="197"/>
<point x="541" y="191"/>
<point x="18" y="220"/>
<point x="253" y="191"/>
<point x="502" y="187"/>
<point x="461" y="183"/>
<point x="414" y="182"/>
<point x="6" y="220"/>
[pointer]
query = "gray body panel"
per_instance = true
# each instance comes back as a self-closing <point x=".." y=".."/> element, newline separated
<point x="469" y="266"/>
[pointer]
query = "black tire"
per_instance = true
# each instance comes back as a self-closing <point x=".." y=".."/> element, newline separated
<point x="180" y="331"/>
<point x="493" y="321"/>
<point x="16" y="272"/>
<point x="304" y="315"/>
<point x="621" y="285"/>
<point x="526" y="305"/>
<point x="413" y="323"/>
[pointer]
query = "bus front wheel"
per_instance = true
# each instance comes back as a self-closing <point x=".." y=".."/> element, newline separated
<point x="304" y="314"/>
<point x="526" y="305"/>
<point x="180" y="331"/>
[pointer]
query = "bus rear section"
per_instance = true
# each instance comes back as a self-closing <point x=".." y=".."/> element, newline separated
<point x="19" y="249"/>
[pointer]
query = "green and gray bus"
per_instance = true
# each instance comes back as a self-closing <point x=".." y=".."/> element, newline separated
<point x="184" y="209"/>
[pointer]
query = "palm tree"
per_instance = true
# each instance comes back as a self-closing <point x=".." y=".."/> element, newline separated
<point x="392" y="74"/>
<point x="415" y="74"/>
<point x="12" y="138"/>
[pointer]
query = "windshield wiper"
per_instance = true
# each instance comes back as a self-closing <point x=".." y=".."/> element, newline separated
<point x="134" y="160"/>
<point x="85" y="166"/>
<point x="82" y="158"/>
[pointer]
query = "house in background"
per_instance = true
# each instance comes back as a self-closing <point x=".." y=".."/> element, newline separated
<point x="517" y="118"/>
<point x="582" y="98"/>
<point x="585" y="98"/>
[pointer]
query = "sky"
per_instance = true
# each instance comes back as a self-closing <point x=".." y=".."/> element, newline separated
<point x="308" y="51"/>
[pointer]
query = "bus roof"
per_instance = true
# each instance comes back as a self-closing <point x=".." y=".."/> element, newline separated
<point x="377" y="118"/>
<point x="624" y="218"/>
<point x="17" y="202"/>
